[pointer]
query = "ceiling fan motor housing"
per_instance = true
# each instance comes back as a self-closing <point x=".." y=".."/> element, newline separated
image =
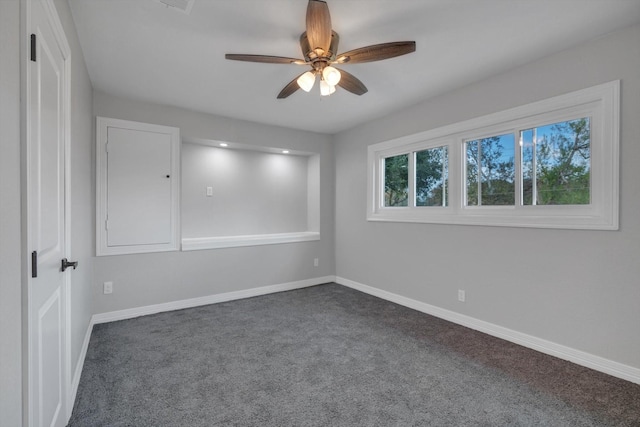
<point x="318" y="54"/>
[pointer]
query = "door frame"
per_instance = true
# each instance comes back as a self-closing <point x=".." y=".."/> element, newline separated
<point x="28" y="187"/>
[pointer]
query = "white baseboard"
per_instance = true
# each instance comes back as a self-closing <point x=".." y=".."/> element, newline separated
<point x="209" y="299"/>
<point x="75" y="381"/>
<point x="582" y="358"/>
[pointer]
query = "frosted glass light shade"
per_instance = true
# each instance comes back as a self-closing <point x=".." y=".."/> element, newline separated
<point x="326" y="89"/>
<point x="306" y="81"/>
<point x="331" y="75"/>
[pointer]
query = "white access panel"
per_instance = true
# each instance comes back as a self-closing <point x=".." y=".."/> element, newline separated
<point x="138" y="187"/>
<point x="138" y="184"/>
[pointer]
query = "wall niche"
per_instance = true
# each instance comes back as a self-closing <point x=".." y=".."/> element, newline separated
<point x="243" y="195"/>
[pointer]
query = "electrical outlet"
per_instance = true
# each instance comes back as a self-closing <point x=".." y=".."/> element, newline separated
<point x="315" y="262"/>
<point x="107" y="288"/>
<point x="461" y="295"/>
<point x="209" y="191"/>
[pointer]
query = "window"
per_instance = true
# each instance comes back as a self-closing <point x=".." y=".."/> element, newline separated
<point x="556" y="163"/>
<point x="428" y="169"/>
<point x="432" y="167"/>
<point x="396" y="180"/>
<point x="550" y="164"/>
<point x="490" y="168"/>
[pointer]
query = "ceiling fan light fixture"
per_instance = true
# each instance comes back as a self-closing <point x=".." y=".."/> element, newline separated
<point x="331" y="75"/>
<point x="306" y="81"/>
<point x="325" y="88"/>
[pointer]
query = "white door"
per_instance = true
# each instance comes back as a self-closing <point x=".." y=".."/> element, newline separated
<point x="47" y="118"/>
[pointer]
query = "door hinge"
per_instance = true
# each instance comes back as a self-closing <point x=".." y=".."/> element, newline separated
<point x="33" y="47"/>
<point x="106" y="146"/>
<point x="106" y="224"/>
<point x="34" y="264"/>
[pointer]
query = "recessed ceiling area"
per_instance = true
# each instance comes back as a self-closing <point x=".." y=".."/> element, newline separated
<point x="145" y="50"/>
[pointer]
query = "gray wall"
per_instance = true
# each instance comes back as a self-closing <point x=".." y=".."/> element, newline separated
<point x="145" y="279"/>
<point x="580" y="289"/>
<point x="253" y="192"/>
<point x="10" y="239"/>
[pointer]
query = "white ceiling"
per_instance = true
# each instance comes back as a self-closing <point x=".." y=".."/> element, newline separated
<point x="142" y="49"/>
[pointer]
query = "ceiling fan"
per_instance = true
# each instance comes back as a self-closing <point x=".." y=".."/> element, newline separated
<point x="319" y="46"/>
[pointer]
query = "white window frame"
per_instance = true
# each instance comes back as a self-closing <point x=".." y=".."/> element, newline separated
<point x="600" y="103"/>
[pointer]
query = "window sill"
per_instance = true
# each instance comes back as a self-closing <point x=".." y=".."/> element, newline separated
<point x="201" y="243"/>
<point x="574" y="217"/>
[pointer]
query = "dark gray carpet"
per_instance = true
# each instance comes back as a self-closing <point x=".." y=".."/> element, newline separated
<point x="331" y="356"/>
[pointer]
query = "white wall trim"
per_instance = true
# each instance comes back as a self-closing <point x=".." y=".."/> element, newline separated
<point x="199" y="243"/>
<point x="103" y="245"/>
<point x="206" y="300"/>
<point x="75" y="382"/>
<point x="582" y="358"/>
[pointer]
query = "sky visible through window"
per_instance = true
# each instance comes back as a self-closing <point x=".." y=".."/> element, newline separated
<point x="555" y="166"/>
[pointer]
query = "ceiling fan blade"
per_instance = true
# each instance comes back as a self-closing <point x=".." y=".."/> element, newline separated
<point x="318" y="25"/>
<point x="264" y="58"/>
<point x="291" y="87"/>
<point x="351" y="83"/>
<point x="376" y="52"/>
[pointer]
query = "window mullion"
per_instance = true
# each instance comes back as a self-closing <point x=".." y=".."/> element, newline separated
<point x="412" y="180"/>
<point x="479" y="176"/>
<point x="445" y="178"/>
<point x="518" y="178"/>
<point x="381" y="178"/>
<point x="534" y="166"/>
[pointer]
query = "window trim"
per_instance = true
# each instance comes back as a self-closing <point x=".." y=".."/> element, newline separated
<point x="601" y="103"/>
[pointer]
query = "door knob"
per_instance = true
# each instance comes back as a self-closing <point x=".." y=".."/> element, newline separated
<point x="66" y="264"/>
